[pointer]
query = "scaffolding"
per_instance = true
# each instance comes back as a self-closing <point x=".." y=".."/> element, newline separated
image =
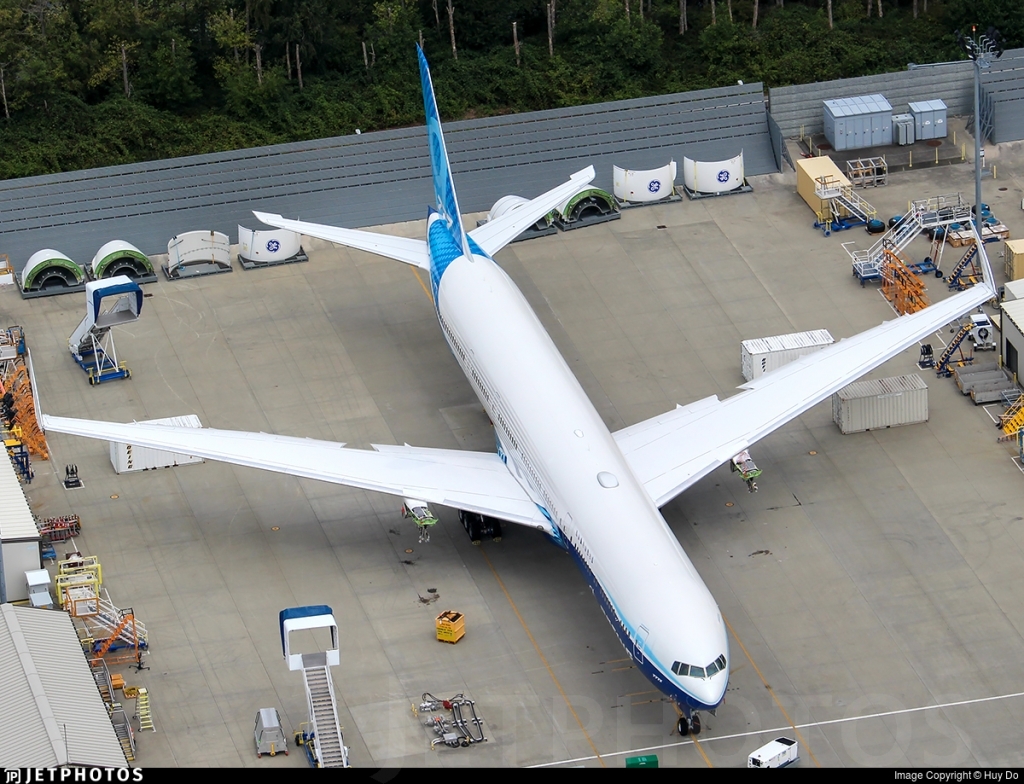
<point x="867" y="172"/>
<point x="900" y="285"/>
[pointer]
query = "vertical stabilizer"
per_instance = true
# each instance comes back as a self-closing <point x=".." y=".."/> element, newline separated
<point x="444" y="189"/>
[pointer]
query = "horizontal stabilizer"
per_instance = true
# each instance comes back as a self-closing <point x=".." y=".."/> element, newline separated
<point x="496" y="234"/>
<point x="404" y="249"/>
<point x="474" y="481"/>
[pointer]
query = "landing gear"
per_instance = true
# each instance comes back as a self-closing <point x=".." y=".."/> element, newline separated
<point x="688" y="724"/>
<point x="478" y="525"/>
<point x="748" y="471"/>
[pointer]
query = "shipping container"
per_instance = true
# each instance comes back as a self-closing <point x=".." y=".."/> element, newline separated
<point x="1014" y="289"/>
<point x="128" y="457"/>
<point x="808" y="171"/>
<point x="929" y="119"/>
<point x="884" y="402"/>
<point x="1013" y="255"/>
<point x="853" y="123"/>
<point x="763" y="355"/>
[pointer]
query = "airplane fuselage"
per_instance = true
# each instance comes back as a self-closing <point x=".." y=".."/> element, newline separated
<point x="562" y="454"/>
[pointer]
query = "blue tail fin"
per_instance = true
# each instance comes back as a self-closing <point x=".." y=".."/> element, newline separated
<point x="444" y="189"/>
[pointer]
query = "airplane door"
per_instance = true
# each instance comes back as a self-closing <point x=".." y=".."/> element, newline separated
<point x="639" y="644"/>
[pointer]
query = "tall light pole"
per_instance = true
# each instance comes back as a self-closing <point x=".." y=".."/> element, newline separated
<point x="981" y="50"/>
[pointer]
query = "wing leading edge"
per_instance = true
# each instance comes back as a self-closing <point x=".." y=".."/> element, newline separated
<point x="473" y="481"/>
<point x="670" y="452"/>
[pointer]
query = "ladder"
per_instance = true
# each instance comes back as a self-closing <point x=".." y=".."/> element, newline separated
<point x="960" y="278"/>
<point x="942" y="365"/>
<point x="323" y="714"/>
<point x="142" y="710"/>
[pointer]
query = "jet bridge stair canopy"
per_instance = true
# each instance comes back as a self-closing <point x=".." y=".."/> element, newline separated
<point x="355" y="181"/>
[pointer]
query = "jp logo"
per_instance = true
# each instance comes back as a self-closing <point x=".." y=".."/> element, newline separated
<point x="723" y="176"/>
<point x="273" y="246"/>
<point x="654" y="186"/>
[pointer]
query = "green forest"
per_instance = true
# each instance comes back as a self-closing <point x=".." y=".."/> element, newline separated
<point x="89" y="83"/>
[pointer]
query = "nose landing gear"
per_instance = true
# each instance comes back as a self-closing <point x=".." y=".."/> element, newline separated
<point x="688" y="724"/>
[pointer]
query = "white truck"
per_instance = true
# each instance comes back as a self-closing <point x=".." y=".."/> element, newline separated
<point x="777" y="754"/>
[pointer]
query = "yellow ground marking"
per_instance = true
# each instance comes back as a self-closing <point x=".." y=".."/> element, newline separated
<point x="771" y="691"/>
<point x="543" y="659"/>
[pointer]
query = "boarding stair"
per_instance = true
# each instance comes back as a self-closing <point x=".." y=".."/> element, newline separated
<point x="932" y="213"/>
<point x="846" y="208"/>
<point x="324" y="743"/>
<point x="323" y="713"/>
<point x="92" y="342"/>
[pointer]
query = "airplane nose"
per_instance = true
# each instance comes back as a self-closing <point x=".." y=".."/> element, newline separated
<point x="712" y="691"/>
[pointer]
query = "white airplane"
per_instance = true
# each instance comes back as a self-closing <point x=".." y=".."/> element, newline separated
<point x="557" y="468"/>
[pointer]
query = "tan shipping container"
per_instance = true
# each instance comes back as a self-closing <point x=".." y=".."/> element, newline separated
<point x="884" y="402"/>
<point x="808" y="170"/>
<point x="1014" y="257"/>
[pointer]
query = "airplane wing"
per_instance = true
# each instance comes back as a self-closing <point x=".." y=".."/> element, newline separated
<point x="473" y="481"/>
<point x="496" y="234"/>
<point x="405" y="249"/>
<point x="670" y="452"/>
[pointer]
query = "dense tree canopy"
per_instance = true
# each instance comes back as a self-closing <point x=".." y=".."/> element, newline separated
<point x="98" y="82"/>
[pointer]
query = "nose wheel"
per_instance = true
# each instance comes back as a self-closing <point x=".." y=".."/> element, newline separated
<point x="688" y="724"/>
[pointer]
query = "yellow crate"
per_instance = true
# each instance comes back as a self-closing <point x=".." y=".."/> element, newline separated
<point x="451" y="626"/>
<point x="117" y="681"/>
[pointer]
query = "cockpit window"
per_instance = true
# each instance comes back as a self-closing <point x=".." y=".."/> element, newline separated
<point x="679" y="668"/>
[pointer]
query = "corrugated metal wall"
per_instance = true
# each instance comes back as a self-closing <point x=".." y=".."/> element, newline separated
<point x="376" y="178"/>
<point x="799" y="105"/>
<point x="1002" y="94"/>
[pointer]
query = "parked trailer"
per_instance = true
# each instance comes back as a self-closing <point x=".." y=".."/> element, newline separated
<point x="993" y="391"/>
<point x="777" y="754"/>
<point x="763" y="355"/>
<point x="968" y="381"/>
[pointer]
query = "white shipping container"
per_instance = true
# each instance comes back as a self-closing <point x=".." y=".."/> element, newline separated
<point x="884" y="402"/>
<point x="763" y="355"/>
<point x="127" y="457"/>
